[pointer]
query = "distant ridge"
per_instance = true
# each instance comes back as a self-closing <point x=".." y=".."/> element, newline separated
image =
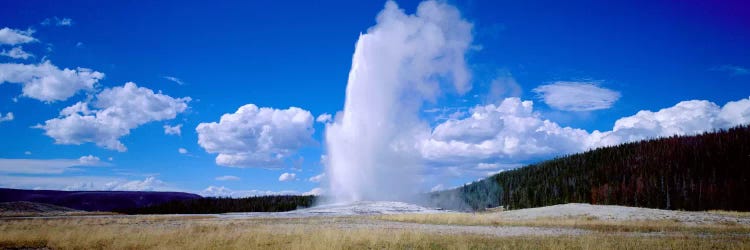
<point x="27" y="207"/>
<point x="94" y="200"/>
<point x="699" y="172"/>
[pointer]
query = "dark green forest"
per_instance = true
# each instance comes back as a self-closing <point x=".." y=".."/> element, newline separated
<point x="211" y="205"/>
<point x="701" y="172"/>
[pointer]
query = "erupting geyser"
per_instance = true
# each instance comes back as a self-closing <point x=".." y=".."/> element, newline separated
<point x="401" y="62"/>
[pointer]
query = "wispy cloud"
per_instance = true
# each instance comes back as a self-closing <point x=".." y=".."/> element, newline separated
<point x="228" y="178"/>
<point x="317" y="178"/>
<point x="214" y="191"/>
<point x="48" y="166"/>
<point x="732" y="70"/>
<point x="445" y="113"/>
<point x="16" y="53"/>
<point x="7" y="117"/>
<point x="57" y="21"/>
<point x="174" y="79"/>
<point x="503" y="86"/>
<point x="315" y="191"/>
<point x="85" y="183"/>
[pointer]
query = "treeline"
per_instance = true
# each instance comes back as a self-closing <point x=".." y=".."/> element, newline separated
<point x="701" y="172"/>
<point x="210" y="205"/>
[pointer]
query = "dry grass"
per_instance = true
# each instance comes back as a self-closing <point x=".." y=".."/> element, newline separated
<point x="167" y="232"/>
<point x="590" y="223"/>
<point x="731" y="213"/>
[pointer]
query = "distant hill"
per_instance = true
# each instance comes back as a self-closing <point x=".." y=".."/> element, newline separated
<point x="94" y="200"/>
<point x="701" y="172"/>
<point x="31" y="208"/>
<point x="212" y="205"/>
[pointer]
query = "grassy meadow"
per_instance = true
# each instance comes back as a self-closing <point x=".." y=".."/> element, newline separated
<point x="209" y="232"/>
<point x="579" y="222"/>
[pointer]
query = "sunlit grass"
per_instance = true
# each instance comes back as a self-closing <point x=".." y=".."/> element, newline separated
<point x="590" y="223"/>
<point x="205" y="232"/>
<point x="731" y="213"/>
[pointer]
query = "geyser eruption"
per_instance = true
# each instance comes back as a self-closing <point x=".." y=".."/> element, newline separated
<point x="398" y="64"/>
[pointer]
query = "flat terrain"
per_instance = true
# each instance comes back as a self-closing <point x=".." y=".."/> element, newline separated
<point x="621" y="213"/>
<point x="389" y="225"/>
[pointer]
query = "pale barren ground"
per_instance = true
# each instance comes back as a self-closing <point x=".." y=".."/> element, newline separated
<point x="576" y="226"/>
<point x="621" y="213"/>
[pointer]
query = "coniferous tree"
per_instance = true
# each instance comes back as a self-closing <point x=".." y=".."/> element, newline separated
<point x="700" y="172"/>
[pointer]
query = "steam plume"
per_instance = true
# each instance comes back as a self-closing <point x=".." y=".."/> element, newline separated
<point x="400" y="63"/>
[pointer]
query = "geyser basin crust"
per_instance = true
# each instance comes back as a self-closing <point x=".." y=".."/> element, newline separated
<point x="348" y="209"/>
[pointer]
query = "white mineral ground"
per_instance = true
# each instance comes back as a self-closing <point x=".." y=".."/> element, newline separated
<point x="620" y="213"/>
<point x="571" y="210"/>
<point x="359" y="215"/>
<point x="356" y="208"/>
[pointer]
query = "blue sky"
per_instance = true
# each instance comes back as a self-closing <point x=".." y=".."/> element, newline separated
<point x="620" y="58"/>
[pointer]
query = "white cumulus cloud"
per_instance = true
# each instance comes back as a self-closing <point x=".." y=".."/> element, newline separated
<point x="46" y="82"/>
<point x="257" y="137"/>
<point x="7" y="117"/>
<point x="287" y="177"/>
<point x="13" y="36"/>
<point x="16" y="53"/>
<point x="173" y="130"/>
<point x="512" y="132"/>
<point x="324" y="118"/>
<point x="684" y="118"/>
<point x="90" y="160"/>
<point x="149" y="184"/>
<point x="115" y="112"/>
<point x="182" y="151"/>
<point x="577" y="96"/>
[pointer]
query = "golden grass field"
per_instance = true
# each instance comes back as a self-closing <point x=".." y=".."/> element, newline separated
<point x="589" y="223"/>
<point x="371" y="232"/>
